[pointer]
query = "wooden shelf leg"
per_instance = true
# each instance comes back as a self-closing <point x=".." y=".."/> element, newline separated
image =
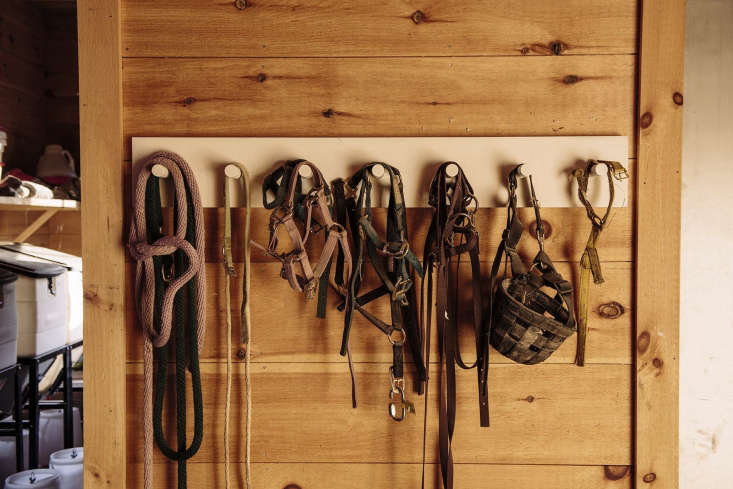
<point x="35" y="225"/>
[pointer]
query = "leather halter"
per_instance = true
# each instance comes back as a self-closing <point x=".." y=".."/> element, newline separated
<point x="589" y="262"/>
<point x="453" y="233"/>
<point x="395" y="264"/>
<point x="313" y="211"/>
<point x="519" y="311"/>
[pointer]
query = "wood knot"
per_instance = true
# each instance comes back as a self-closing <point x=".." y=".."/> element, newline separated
<point x="558" y="47"/>
<point x="642" y="344"/>
<point x="328" y="113"/>
<point x="611" y="310"/>
<point x="650" y="477"/>
<point x="261" y="77"/>
<point x="188" y="101"/>
<point x="678" y="98"/>
<point x="547" y="227"/>
<point x="241" y="354"/>
<point x="571" y="79"/>
<point x="292" y="486"/>
<point x="657" y="362"/>
<point x="615" y="472"/>
<point x="529" y="398"/>
<point x="418" y="16"/>
<point x="525" y="50"/>
<point x="240" y="4"/>
<point x="646" y="120"/>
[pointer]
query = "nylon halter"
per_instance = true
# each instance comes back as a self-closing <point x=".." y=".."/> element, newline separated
<point x="453" y="233"/>
<point x="170" y="295"/>
<point x="526" y="324"/>
<point x="589" y="262"/>
<point x="313" y="211"/>
<point x="395" y="265"/>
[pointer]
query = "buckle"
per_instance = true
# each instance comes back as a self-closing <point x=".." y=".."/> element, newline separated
<point x="400" y="289"/>
<point x="310" y="288"/>
<point x="401" y="253"/>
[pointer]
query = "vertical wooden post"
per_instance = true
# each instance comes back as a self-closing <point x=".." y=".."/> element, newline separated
<point x="658" y="242"/>
<point x="100" y="98"/>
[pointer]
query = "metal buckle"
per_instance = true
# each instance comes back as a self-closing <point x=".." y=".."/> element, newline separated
<point x="399" y="340"/>
<point x="401" y="253"/>
<point x="400" y="289"/>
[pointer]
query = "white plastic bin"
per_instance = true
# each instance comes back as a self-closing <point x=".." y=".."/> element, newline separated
<point x="40" y="296"/>
<point x="33" y="479"/>
<point x="75" y="297"/>
<point x="7" y="454"/>
<point x="8" y="319"/>
<point x="51" y="433"/>
<point x="69" y="463"/>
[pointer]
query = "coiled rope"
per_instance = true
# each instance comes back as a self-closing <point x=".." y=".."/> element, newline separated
<point x="170" y="298"/>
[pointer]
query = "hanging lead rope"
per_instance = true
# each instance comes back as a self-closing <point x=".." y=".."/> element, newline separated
<point x="589" y="262"/>
<point x="244" y="326"/>
<point x="170" y="295"/>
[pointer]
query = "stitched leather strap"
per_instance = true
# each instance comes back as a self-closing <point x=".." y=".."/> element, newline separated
<point x="453" y="233"/>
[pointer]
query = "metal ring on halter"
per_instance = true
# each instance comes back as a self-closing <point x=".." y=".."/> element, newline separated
<point x="399" y="340"/>
<point x="393" y="406"/>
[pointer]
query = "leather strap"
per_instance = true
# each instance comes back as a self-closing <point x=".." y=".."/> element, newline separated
<point x="395" y="265"/>
<point x="590" y="262"/>
<point x="453" y="233"/>
<point x="244" y="326"/>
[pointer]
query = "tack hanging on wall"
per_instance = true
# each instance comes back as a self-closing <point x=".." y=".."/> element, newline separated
<point x="485" y="160"/>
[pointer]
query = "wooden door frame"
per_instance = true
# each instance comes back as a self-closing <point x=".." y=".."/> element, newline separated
<point x="659" y="139"/>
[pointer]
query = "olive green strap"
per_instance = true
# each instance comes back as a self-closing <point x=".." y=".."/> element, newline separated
<point x="590" y="263"/>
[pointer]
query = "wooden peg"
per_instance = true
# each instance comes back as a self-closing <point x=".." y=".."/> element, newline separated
<point x="377" y="171"/>
<point x="160" y="171"/>
<point x="451" y="170"/>
<point x="525" y="170"/>
<point x="305" y="171"/>
<point x="599" y="169"/>
<point x="232" y="171"/>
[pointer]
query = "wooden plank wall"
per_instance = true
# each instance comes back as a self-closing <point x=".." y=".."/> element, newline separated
<point x="429" y="68"/>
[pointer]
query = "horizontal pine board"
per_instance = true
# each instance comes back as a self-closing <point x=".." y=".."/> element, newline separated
<point x="379" y="28"/>
<point x="390" y="476"/>
<point x="285" y="328"/>
<point x="533" y="96"/>
<point x="302" y="413"/>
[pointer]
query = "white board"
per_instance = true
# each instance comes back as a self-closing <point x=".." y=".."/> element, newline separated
<point x="485" y="160"/>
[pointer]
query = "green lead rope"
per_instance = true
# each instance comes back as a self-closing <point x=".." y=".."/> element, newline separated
<point x="185" y="324"/>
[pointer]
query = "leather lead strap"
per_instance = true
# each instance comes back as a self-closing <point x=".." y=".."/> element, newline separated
<point x="590" y="263"/>
<point x="244" y="331"/>
<point x="170" y="296"/>
<point x="452" y="233"/>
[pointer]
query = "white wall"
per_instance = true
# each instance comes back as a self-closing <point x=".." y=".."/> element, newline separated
<point x="706" y="346"/>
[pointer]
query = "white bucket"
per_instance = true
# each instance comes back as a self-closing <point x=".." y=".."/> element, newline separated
<point x="7" y="454"/>
<point x="33" y="479"/>
<point x="51" y="433"/>
<point x="69" y="463"/>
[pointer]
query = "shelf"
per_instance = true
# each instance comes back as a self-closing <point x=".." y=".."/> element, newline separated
<point x="31" y="204"/>
<point x="49" y="206"/>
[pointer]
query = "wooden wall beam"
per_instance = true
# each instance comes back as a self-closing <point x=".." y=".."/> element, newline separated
<point x="100" y="90"/>
<point x="658" y="242"/>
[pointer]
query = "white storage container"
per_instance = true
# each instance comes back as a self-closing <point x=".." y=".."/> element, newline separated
<point x="8" y="319"/>
<point x="69" y="464"/>
<point x="51" y="433"/>
<point x="75" y="298"/>
<point x="33" y="479"/>
<point x="40" y="298"/>
<point x="7" y="454"/>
